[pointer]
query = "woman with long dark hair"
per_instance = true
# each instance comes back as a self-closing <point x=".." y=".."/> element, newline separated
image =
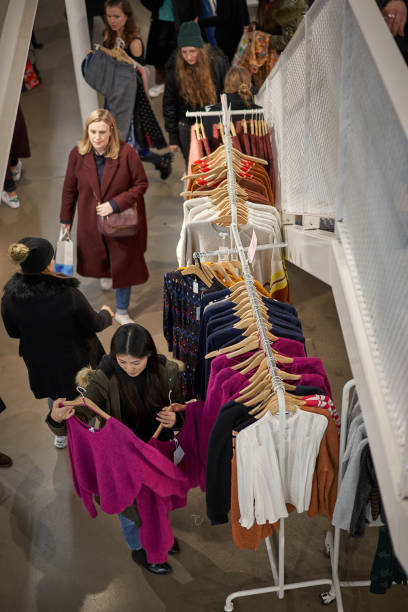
<point x="121" y="26"/>
<point x="133" y="384"/>
<point x="194" y="79"/>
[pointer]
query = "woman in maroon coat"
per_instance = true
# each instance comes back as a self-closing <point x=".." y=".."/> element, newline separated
<point x="106" y="176"/>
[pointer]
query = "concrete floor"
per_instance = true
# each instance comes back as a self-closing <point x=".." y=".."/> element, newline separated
<point x="53" y="556"/>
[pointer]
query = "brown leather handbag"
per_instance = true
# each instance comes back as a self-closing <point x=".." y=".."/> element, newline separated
<point x="119" y="225"/>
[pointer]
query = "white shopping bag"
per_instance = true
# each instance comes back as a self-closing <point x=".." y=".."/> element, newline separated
<point x="64" y="254"/>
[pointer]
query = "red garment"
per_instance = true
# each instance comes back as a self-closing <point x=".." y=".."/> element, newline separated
<point x="123" y="180"/>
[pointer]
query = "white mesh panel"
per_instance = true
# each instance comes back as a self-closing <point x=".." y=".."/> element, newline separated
<point x="376" y="224"/>
<point x="305" y="101"/>
<point x="293" y="126"/>
<point x="325" y="84"/>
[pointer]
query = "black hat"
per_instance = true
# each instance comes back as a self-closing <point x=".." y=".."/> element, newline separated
<point x="33" y="254"/>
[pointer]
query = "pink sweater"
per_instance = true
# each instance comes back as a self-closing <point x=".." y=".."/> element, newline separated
<point x="115" y="464"/>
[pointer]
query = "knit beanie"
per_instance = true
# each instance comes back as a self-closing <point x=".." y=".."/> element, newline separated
<point x="33" y="254"/>
<point x="190" y="35"/>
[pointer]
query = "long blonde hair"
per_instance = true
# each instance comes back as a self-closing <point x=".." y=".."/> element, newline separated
<point x="196" y="83"/>
<point x="238" y="80"/>
<point x="101" y="114"/>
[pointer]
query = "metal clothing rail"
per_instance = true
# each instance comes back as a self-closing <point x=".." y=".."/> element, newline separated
<point x="261" y="247"/>
<point x="280" y="586"/>
<point x="244" y="111"/>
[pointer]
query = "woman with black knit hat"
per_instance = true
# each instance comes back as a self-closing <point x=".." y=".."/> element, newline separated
<point x="53" y="320"/>
<point x="194" y="79"/>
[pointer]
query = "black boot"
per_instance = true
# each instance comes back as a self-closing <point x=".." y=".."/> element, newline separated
<point x="175" y="548"/>
<point x="139" y="556"/>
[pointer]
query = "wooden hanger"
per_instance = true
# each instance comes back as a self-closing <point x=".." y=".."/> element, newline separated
<point x="193" y="269"/>
<point x="85" y="402"/>
<point x="230" y="269"/>
<point x="271" y="404"/>
<point x="234" y="350"/>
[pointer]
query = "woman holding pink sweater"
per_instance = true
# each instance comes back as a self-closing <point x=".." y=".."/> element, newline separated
<point x="134" y="385"/>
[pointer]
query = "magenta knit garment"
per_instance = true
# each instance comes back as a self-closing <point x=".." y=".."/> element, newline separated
<point x="115" y="464"/>
<point x="190" y="440"/>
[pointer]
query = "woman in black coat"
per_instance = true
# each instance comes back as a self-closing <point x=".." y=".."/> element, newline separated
<point x="194" y="78"/>
<point x="54" y="321"/>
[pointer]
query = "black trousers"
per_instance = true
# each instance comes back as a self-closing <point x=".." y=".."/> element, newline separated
<point x="184" y="139"/>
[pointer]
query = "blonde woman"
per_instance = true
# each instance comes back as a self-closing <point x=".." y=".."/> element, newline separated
<point x="105" y="176"/>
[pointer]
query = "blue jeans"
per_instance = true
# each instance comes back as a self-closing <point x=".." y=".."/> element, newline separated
<point x="122" y="299"/>
<point x="130" y="533"/>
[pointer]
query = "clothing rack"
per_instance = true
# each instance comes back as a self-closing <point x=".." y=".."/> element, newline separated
<point x="244" y="111"/>
<point x="333" y="546"/>
<point x="279" y="579"/>
<point x="200" y="255"/>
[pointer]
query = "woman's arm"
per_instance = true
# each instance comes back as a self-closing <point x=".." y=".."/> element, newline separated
<point x="70" y="190"/>
<point x="87" y="317"/>
<point x="138" y="180"/>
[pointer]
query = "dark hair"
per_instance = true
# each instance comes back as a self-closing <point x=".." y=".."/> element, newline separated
<point x="133" y="339"/>
<point x="131" y="30"/>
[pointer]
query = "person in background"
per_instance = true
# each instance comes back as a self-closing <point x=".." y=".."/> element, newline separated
<point x="280" y="18"/>
<point x="194" y="79"/>
<point x="167" y="16"/>
<point x="395" y="15"/>
<point x="121" y="24"/>
<point x="20" y="147"/>
<point x="133" y="384"/>
<point x="229" y="21"/>
<point x="105" y="176"/>
<point x="53" y="320"/>
<point x="94" y="8"/>
<point x="238" y="87"/>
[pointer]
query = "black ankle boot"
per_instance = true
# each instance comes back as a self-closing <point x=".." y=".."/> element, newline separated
<point x="175" y="548"/>
<point x="139" y="557"/>
<point x="165" y="165"/>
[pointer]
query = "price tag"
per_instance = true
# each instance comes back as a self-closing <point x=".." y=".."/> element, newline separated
<point x="195" y="287"/>
<point x="198" y="313"/>
<point x="252" y="247"/>
<point x="178" y="453"/>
